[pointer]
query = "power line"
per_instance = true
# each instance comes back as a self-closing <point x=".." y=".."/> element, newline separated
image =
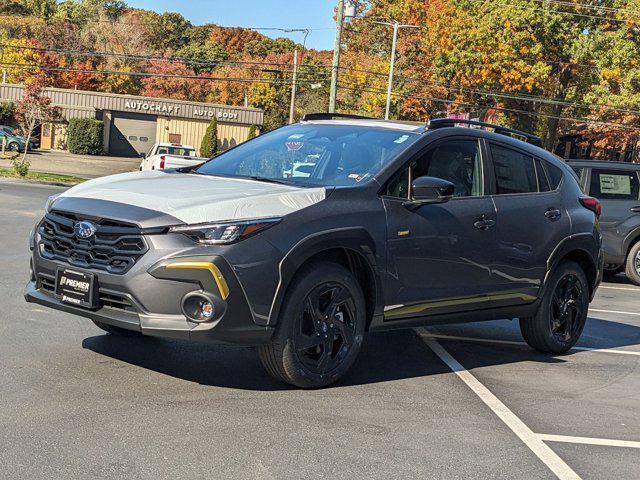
<point x="159" y="75"/>
<point x="589" y="7"/>
<point x="493" y="93"/>
<point x="560" y="12"/>
<point x="502" y="109"/>
<point x="83" y="53"/>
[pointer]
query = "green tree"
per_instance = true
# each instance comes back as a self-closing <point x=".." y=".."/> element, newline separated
<point x="167" y="31"/>
<point x="6" y="111"/>
<point x="253" y="132"/>
<point x="209" y="145"/>
<point x="202" y="57"/>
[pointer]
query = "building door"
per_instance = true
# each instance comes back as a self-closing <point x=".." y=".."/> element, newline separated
<point x="131" y="134"/>
<point x="46" y="136"/>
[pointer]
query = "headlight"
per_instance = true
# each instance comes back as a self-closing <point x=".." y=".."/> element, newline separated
<point x="49" y="203"/>
<point x="224" y="233"/>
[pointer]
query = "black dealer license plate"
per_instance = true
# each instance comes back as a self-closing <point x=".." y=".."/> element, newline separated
<point x="75" y="288"/>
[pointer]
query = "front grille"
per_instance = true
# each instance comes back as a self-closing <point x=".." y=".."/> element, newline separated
<point x="114" y="248"/>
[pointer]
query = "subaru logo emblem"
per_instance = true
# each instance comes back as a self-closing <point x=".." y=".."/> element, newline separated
<point x="84" y="229"/>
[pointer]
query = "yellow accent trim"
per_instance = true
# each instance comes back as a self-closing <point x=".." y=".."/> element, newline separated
<point x="409" y="309"/>
<point x="403" y="233"/>
<point x="215" y="272"/>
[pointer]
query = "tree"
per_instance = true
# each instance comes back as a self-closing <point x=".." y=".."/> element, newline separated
<point x="209" y="145"/>
<point x="6" y="111"/>
<point x="202" y="57"/>
<point x="32" y="111"/>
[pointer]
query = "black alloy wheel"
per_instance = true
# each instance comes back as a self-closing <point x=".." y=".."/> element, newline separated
<point x="567" y="309"/>
<point x="320" y="327"/>
<point x="562" y="313"/>
<point x="326" y="330"/>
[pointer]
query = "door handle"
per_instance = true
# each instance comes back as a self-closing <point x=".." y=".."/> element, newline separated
<point x="553" y="214"/>
<point x="635" y="209"/>
<point x="484" y="223"/>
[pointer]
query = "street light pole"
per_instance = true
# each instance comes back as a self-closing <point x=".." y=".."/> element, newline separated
<point x="336" y="57"/>
<point x="396" y="26"/>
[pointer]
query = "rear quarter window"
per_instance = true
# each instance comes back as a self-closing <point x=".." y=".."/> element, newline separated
<point x="555" y="175"/>
<point x="614" y="184"/>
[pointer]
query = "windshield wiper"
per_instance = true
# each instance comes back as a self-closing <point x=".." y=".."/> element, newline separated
<point x="269" y="180"/>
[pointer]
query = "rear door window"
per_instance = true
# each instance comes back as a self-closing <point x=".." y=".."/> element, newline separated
<point x="614" y="184"/>
<point x="514" y="171"/>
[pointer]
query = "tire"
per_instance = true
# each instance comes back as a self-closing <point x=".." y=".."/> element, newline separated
<point x="632" y="265"/>
<point x="117" y="331"/>
<point x="320" y="328"/>
<point x="14" y="147"/>
<point x="561" y="317"/>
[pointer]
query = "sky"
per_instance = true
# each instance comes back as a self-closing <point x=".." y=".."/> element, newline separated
<point x="315" y="14"/>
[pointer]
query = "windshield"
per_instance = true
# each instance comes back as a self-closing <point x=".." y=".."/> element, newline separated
<point x="313" y="154"/>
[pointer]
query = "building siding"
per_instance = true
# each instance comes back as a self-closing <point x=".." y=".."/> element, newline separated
<point x="192" y="132"/>
<point x="84" y="105"/>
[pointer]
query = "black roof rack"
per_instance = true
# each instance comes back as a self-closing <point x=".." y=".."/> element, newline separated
<point x="452" y="122"/>
<point x="330" y="116"/>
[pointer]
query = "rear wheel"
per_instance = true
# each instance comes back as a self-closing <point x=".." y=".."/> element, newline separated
<point x="561" y="317"/>
<point x="632" y="265"/>
<point x="120" y="332"/>
<point x="320" y="328"/>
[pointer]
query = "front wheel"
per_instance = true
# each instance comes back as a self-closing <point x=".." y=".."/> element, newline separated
<point x="14" y="147"/>
<point x="320" y="328"/>
<point x="561" y="317"/>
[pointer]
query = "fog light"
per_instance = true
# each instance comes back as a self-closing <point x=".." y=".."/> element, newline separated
<point x="206" y="309"/>
<point x="198" y="307"/>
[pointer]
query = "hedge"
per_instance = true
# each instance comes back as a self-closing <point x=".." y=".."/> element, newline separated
<point x="85" y="136"/>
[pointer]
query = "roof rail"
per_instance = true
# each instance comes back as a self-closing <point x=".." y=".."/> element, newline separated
<point x="307" y="117"/>
<point x="509" y="132"/>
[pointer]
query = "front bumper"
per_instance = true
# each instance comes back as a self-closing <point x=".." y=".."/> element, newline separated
<point x="148" y="298"/>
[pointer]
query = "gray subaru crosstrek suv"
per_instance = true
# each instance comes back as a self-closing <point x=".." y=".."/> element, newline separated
<point x="617" y="186"/>
<point x="388" y="225"/>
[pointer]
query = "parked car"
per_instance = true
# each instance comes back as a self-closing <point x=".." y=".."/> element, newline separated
<point x="170" y="155"/>
<point x="398" y="225"/>
<point x="18" y="140"/>
<point x="617" y="186"/>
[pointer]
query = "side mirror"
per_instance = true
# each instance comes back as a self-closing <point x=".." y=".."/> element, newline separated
<point x="429" y="190"/>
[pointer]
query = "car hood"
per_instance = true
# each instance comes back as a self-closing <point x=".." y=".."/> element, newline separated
<point x="162" y="198"/>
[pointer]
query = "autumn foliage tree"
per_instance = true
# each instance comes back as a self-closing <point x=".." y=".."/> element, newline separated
<point x="31" y="111"/>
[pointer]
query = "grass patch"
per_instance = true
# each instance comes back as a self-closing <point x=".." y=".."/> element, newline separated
<point x="42" y="177"/>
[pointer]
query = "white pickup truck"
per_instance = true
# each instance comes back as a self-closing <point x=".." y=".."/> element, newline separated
<point x="170" y="155"/>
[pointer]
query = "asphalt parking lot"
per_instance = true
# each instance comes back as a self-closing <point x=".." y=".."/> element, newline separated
<point x="466" y="401"/>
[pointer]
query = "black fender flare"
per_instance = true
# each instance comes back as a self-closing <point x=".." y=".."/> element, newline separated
<point x="583" y="242"/>
<point x="355" y="239"/>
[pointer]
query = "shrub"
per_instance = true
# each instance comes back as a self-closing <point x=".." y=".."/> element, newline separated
<point x="209" y="145"/>
<point x="253" y="132"/>
<point x="85" y="136"/>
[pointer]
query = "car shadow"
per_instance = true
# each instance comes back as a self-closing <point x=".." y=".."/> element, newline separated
<point x="385" y="356"/>
<point x="620" y="279"/>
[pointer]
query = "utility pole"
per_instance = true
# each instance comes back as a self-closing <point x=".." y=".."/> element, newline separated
<point x="396" y="26"/>
<point x="336" y="58"/>
<point x="293" y="85"/>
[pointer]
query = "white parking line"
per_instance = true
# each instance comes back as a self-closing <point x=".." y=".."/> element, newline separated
<point x="613" y="311"/>
<point x="511" y="342"/>
<point x="619" y="288"/>
<point x="530" y="439"/>
<point x="589" y="441"/>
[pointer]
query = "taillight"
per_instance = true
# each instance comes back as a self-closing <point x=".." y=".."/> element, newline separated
<point x="592" y="204"/>
<point x="161" y="162"/>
